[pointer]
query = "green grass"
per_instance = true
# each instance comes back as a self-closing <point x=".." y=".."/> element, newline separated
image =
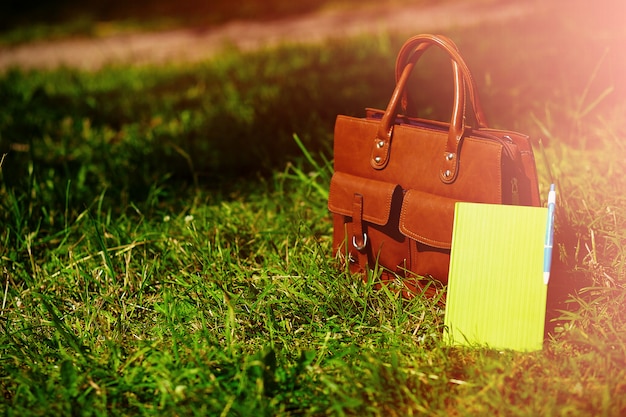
<point x="165" y="243"/>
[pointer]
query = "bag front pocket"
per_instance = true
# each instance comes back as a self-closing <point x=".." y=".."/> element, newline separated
<point x="427" y="220"/>
<point x="366" y="216"/>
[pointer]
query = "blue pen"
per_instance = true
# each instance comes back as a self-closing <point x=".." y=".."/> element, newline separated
<point x="547" y="248"/>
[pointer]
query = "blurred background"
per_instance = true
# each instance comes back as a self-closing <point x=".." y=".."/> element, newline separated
<point x="15" y="12"/>
<point x="84" y="17"/>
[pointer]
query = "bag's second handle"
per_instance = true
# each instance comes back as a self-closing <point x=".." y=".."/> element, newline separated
<point x="410" y="53"/>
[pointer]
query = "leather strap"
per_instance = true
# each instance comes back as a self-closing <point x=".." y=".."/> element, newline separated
<point x="359" y="237"/>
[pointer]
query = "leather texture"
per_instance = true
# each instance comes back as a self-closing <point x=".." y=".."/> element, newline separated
<point x="397" y="178"/>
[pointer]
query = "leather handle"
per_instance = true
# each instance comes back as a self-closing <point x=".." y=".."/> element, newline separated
<point x="413" y="53"/>
<point x="409" y="55"/>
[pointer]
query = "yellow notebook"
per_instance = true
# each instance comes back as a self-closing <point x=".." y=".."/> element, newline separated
<point x="496" y="293"/>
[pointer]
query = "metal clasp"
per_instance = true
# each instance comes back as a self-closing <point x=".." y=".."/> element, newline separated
<point x="357" y="246"/>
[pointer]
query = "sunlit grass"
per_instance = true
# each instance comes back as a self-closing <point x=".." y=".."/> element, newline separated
<point x="141" y="273"/>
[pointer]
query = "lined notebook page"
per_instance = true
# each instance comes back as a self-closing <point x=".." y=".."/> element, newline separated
<point x="496" y="294"/>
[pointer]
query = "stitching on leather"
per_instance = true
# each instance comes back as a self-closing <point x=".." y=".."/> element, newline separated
<point x="389" y="190"/>
<point x="416" y="236"/>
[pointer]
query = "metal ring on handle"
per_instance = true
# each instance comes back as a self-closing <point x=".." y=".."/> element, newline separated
<point x="360" y="247"/>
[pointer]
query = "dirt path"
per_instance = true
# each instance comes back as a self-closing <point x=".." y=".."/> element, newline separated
<point x="194" y="45"/>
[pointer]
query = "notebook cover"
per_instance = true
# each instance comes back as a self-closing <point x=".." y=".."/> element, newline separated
<point x="496" y="294"/>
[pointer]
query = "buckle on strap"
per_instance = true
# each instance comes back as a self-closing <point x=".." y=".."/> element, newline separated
<point x="357" y="223"/>
<point x="362" y="246"/>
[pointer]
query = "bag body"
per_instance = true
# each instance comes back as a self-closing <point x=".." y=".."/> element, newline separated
<point x="397" y="178"/>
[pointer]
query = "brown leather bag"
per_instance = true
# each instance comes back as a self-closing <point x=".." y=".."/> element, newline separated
<point x="397" y="178"/>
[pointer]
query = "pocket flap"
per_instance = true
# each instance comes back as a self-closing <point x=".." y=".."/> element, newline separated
<point x="427" y="218"/>
<point x="377" y="197"/>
